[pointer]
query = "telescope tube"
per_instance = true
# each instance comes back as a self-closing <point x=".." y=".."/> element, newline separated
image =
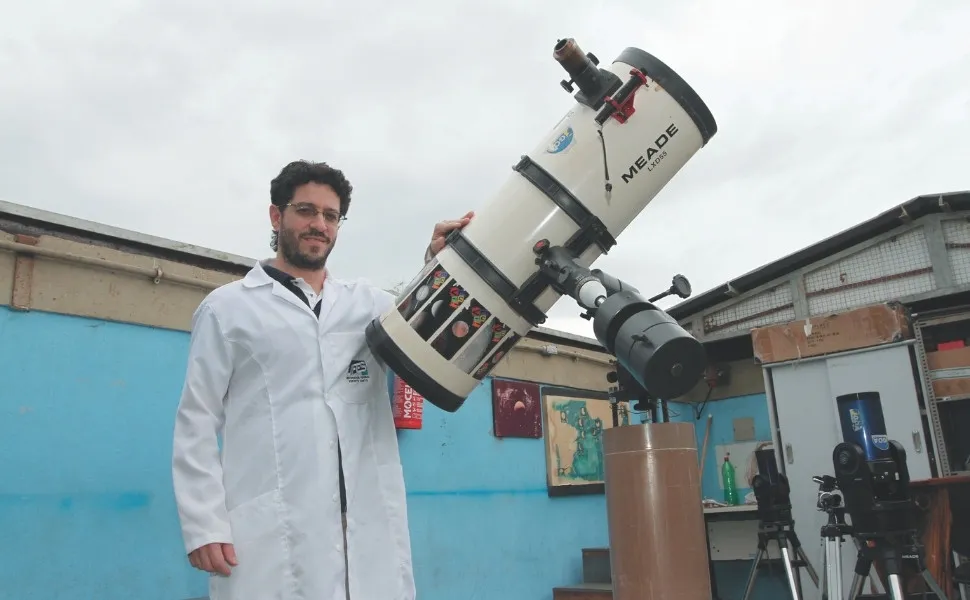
<point x="579" y="188"/>
<point x="864" y="423"/>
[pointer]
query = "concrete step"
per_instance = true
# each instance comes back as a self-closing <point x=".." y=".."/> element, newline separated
<point x="596" y="565"/>
<point x="583" y="591"/>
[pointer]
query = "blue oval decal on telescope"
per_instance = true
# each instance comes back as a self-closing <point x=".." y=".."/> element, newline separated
<point x="562" y="142"/>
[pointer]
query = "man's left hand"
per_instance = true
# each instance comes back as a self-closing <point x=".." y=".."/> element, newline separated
<point x="441" y="231"/>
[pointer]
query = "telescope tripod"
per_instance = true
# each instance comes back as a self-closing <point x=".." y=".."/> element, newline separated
<point x="783" y="534"/>
<point x="892" y="549"/>
<point x="833" y="533"/>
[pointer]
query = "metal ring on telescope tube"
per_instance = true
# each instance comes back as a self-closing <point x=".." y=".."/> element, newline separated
<point x="564" y="199"/>
<point x="493" y="277"/>
<point x="591" y="229"/>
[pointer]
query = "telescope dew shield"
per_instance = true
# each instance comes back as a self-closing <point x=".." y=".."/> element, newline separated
<point x="634" y="125"/>
<point x="863" y="423"/>
<point x="767" y="465"/>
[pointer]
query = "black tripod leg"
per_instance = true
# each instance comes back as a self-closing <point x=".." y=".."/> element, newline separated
<point x="862" y="566"/>
<point x="753" y="575"/>
<point x="925" y="572"/>
<point x="932" y="584"/>
<point x="892" y="558"/>
<point x="799" y="553"/>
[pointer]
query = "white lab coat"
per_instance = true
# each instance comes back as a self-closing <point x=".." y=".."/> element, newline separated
<point x="279" y="385"/>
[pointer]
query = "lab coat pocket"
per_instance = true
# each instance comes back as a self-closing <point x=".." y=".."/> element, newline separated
<point x="257" y="534"/>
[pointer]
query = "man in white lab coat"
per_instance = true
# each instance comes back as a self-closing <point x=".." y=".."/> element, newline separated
<point x="306" y="499"/>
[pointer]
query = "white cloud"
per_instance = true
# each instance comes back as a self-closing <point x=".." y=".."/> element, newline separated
<point x="171" y="118"/>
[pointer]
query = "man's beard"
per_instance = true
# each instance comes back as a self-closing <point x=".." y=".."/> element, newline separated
<point x="290" y="249"/>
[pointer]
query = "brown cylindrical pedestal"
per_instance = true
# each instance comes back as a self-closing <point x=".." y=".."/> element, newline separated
<point x="658" y="546"/>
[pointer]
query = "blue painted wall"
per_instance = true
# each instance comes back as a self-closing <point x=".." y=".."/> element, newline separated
<point x="86" y="507"/>
<point x="480" y="515"/>
<point x="86" y="416"/>
<point x="724" y="411"/>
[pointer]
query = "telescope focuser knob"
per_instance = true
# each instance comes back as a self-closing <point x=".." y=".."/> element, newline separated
<point x="539" y="249"/>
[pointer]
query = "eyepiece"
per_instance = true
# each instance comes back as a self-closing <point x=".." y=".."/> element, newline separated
<point x="572" y="58"/>
<point x="594" y="84"/>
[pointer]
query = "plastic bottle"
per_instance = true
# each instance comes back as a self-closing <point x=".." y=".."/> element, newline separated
<point x="730" y="486"/>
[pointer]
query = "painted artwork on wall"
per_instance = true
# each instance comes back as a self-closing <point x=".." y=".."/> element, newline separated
<point x="574" y="421"/>
<point x="515" y="409"/>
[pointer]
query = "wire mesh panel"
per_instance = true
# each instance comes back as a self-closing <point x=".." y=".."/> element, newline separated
<point x="767" y="308"/>
<point x="956" y="236"/>
<point x="893" y="269"/>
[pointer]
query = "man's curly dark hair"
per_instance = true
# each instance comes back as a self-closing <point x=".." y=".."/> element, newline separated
<point x="302" y="172"/>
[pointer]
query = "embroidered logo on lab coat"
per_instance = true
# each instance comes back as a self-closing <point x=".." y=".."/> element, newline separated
<point x="357" y="372"/>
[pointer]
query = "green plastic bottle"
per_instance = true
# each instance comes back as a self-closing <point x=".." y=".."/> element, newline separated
<point x="730" y="486"/>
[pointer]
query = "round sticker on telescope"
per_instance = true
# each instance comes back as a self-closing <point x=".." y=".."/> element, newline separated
<point x="563" y="141"/>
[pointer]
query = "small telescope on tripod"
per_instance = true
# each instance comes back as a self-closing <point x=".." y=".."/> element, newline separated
<point x="870" y="487"/>
<point x="775" y="523"/>
<point x="873" y="480"/>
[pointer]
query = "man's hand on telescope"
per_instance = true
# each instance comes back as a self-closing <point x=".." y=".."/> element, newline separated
<point x="441" y="231"/>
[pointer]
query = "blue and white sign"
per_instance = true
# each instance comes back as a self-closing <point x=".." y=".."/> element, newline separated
<point x="562" y="142"/>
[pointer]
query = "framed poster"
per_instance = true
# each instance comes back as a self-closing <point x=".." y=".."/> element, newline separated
<point x="515" y="409"/>
<point x="574" y="421"/>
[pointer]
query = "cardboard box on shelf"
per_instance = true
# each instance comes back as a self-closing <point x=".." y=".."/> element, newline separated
<point x="958" y="358"/>
<point x="949" y="370"/>
<point x="850" y="330"/>
<point x="951" y="386"/>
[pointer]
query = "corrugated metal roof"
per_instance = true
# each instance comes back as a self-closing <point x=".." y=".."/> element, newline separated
<point x="884" y="222"/>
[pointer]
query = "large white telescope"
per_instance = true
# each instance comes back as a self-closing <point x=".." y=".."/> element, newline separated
<point x="633" y="127"/>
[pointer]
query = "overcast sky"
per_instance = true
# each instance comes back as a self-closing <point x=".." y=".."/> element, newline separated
<point x="170" y="118"/>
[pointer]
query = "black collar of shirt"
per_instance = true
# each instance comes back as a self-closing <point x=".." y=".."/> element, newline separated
<point x="289" y="282"/>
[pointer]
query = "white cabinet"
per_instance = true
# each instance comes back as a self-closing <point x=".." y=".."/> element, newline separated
<point x="807" y="428"/>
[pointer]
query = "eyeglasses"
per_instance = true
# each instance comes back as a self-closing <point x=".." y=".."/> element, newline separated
<point x="309" y="211"/>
